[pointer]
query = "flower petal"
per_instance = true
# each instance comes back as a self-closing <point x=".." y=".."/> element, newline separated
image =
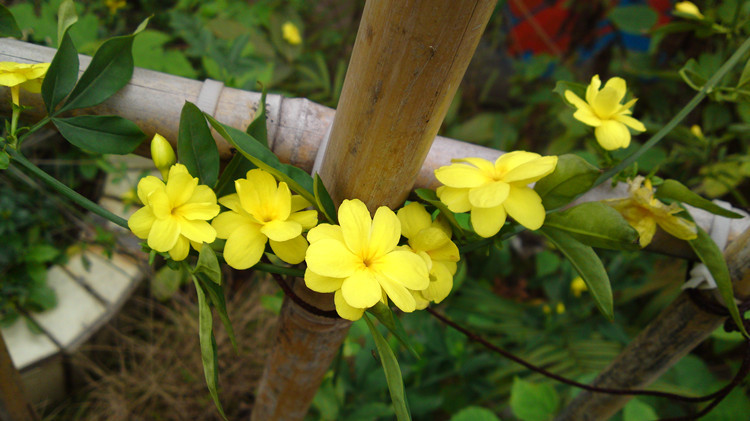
<point x="198" y="211"/>
<point x="361" y="289"/>
<point x="488" y="221"/>
<point x="307" y="219"/>
<point x="430" y="238"/>
<point x="587" y="116"/>
<point x="607" y="102"/>
<point x="448" y="252"/>
<point x="484" y="165"/>
<point x="325" y="231"/>
<point x="320" y="283"/>
<point x="330" y="257"/>
<point x="631" y="122"/>
<point x="441" y="283"/>
<point x="281" y="230"/>
<point x="617" y="84"/>
<point x="577" y="102"/>
<point x="202" y="194"/>
<point x="146" y="186"/>
<point x="413" y="218"/>
<point x="531" y="171"/>
<point x="457" y="200"/>
<point x="291" y="251"/>
<point x="461" y="176"/>
<point x="159" y="202"/>
<point x="141" y="221"/>
<point x="163" y="234"/>
<point x="678" y="227"/>
<point x="384" y="234"/>
<point x="344" y="309"/>
<point x="198" y="231"/>
<point x="489" y="195"/>
<point x="507" y="162"/>
<point x="404" y="268"/>
<point x="227" y="222"/>
<point x="397" y="293"/>
<point x="244" y="247"/>
<point x="355" y="222"/>
<point x="180" y="187"/>
<point x="299" y="203"/>
<point x="593" y="89"/>
<point x="232" y="202"/>
<point x="525" y="206"/>
<point x="612" y="135"/>
<point x="180" y="250"/>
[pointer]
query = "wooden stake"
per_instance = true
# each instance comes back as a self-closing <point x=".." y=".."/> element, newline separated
<point x="13" y="403"/>
<point x="407" y="62"/>
<point x="676" y="331"/>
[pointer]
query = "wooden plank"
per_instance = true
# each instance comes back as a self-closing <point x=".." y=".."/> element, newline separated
<point x="13" y="403"/>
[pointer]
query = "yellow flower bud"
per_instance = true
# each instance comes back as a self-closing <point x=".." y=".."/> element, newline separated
<point x="688" y="8"/>
<point x="577" y="286"/>
<point x="162" y="154"/>
<point x="290" y="33"/>
<point x="560" y="308"/>
<point x="696" y="131"/>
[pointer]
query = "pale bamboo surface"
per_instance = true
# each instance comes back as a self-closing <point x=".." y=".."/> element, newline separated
<point x="407" y="62"/>
<point x="678" y="329"/>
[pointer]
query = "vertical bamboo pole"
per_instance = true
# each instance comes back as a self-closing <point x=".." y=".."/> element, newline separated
<point x="13" y="403"/>
<point x="676" y="331"/>
<point x="407" y="62"/>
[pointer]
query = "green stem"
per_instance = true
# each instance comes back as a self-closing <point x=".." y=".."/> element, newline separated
<point x="65" y="190"/>
<point x="266" y="267"/>
<point x="14" y="124"/>
<point x="708" y="87"/>
<point x="33" y="128"/>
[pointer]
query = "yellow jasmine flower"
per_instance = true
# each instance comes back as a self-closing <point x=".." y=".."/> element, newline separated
<point x="643" y="212"/>
<point x="603" y="110"/>
<point x="22" y="75"/>
<point x="290" y="33"/>
<point x="578" y="286"/>
<point x="492" y="192"/>
<point x="176" y="214"/>
<point x="115" y="5"/>
<point x="432" y="241"/>
<point x="359" y="261"/>
<point x="696" y="131"/>
<point x="262" y="211"/>
<point x="688" y="8"/>
<point x="162" y="154"/>
<point x="560" y="308"/>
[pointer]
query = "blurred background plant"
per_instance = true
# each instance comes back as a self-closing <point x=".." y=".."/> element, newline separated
<point x="517" y="293"/>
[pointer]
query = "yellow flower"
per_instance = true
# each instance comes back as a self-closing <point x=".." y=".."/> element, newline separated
<point x="176" y="214"/>
<point x="696" y="131"/>
<point x="431" y="240"/>
<point x="359" y="261"/>
<point x="22" y="75"/>
<point x="688" y="8"/>
<point x="560" y="308"/>
<point x="578" y="286"/>
<point x="290" y="33"/>
<point x="643" y="212"/>
<point x="603" y="110"/>
<point x="492" y="192"/>
<point x="262" y="211"/>
<point x="162" y="154"/>
<point x="115" y="5"/>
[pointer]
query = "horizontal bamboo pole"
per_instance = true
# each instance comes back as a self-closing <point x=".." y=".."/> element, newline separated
<point x="678" y="329"/>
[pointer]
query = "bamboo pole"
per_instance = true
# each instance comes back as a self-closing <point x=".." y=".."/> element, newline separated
<point x="678" y="329"/>
<point x="13" y="403"/>
<point x="408" y="60"/>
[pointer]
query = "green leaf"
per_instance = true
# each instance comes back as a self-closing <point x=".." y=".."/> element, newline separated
<point x="166" y="282"/>
<point x="674" y="190"/>
<point x="8" y="25"/>
<point x="745" y="76"/>
<point x="597" y="225"/>
<point x="637" y="410"/>
<point x="710" y="254"/>
<point x="237" y="168"/>
<point x="587" y="264"/>
<point x="636" y="19"/>
<point x="41" y="253"/>
<point x="66" y="17"/>
<point x="533" y="402"/>
<point x="392" y="373"/>
<point x="61" y="75"/>
<point x="384" y="314"/>
<point x="208" y="264"/>
<point x="109" y="71"/>
<point x="323" y="200"/>
<point x="196" y="147"/>
<point x="208" y="347"/>
<point x="474" y="413"/>
<point x="216" y="295"/>
<point x="4" y="160"/>
<point x="297" y="179"/>
<point x="257" y="128"/>
<point x="572" y="177"/>
<point x="577" y="88"/>
<point x="101" y="133"/>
